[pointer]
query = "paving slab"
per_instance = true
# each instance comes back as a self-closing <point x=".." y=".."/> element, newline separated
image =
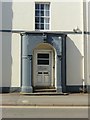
<point x="17" y="99"/>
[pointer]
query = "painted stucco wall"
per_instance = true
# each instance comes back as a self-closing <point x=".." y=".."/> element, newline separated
<point x="16" y="60"/>
<point x="0" y="46"/>
<point x="23" y="15"/>
<point x="89" y="61"/>
<point x="89" y="43"/>
<point x="65" y="16"/>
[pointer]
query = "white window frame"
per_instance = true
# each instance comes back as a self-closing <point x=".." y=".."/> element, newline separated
<point x="44" y="17"/>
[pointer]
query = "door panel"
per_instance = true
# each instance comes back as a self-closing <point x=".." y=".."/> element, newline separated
<point x="39" y="79"/>
<point x="46" y="78"/>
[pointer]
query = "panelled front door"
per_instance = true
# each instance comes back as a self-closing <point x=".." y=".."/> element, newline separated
<point x="43" y="68"/>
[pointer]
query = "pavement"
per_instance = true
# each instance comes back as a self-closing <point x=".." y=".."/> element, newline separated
<point x="17" y="99"/>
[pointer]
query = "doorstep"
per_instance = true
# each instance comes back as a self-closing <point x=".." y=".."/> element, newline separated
<point x="44" y="93"/>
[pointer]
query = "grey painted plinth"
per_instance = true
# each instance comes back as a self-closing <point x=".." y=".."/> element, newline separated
<point x="59" y="89"/>
<point x="27" y="89"/>
<point x="58" y="84"/>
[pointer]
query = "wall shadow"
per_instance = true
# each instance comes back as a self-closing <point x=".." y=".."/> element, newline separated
<point x="89" y="43"/>
<point x="0" y="44"/>
<point x="73" y="64"/>
<point x="89" y="60"/>
<point x="7" y="16"/>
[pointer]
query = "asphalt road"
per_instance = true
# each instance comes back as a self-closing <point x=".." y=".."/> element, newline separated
<point x="44" y="112"/>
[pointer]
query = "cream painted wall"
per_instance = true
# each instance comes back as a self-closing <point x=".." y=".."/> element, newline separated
<point x="64" y="16"/>
<point x="89" y="42"/>
<point x="16" y="57"/>
<point x="74" y="59"/>
<point x="70" y="16"/>
<point x="89" y="60"/>
<point x="0" y="46"/>
<point x="23" y="15"/>
<point x="0" y="59"/>
<point x="66" y="19"/>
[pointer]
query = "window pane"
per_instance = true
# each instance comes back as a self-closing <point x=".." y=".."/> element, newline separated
<point x="42" y="20"/>
<point x="37" y="13"/>
<point x="46" y="20"/>
<point x="46" y="26"/>
<point x="36" y="19"/>
<point x="43" y="62"/>
<point x="46" y="6"/>
<point x="46" y="13"/>
<point x="42" y="13"/>
<point x="42" y="26"/>
<point x="36" y="26"/>
<point x="42" y="6"/>
<point x="36" y="6"/>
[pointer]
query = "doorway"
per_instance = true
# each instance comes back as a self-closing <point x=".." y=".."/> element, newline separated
<point x="44" y="67"/>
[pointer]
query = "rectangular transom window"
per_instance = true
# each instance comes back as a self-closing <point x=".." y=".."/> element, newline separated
<point x="43" y="59"/>
<point x="40" y="55"/>
<point x="43" y="62"/>
<point x="42" y="16"/>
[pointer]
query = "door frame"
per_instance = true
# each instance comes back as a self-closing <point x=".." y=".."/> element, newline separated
<point x="35" y="62"/>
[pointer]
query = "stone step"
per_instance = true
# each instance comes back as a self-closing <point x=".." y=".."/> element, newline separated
<point x="44" y="93"/>
<point x="44" y="90"/>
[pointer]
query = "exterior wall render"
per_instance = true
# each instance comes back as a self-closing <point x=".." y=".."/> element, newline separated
<point x="74" y="63"/>
<point x="0" y="46"/>
<point x="89" y="44"/>
<point x="21" y="17"/>
<point x="16" y="60"/>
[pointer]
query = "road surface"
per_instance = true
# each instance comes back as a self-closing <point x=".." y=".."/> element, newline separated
<point x="45" y="112"/>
